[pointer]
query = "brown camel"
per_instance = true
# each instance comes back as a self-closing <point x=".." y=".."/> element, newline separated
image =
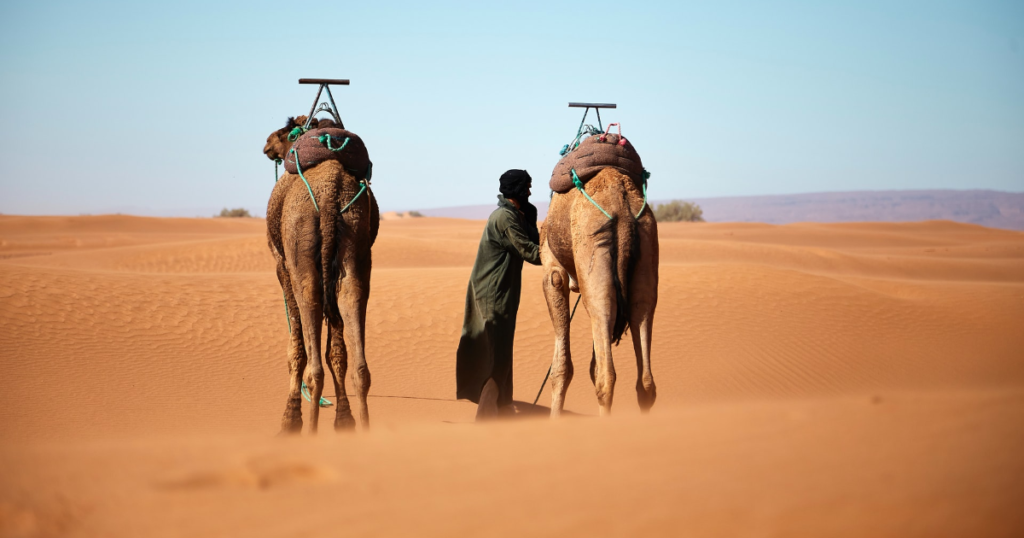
<point x="613" y="262"/>
<point x="323" y="265"/>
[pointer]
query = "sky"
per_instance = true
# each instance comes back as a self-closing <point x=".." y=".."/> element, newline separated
<point x="164" y="108"/>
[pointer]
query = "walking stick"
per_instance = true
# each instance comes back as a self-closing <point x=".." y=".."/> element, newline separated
<point x="547" y="375"/>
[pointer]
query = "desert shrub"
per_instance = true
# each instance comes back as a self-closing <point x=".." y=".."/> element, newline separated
<point x="679" y="211"/>
<point x="414" y="214"/>
<point x="236" y="212"/>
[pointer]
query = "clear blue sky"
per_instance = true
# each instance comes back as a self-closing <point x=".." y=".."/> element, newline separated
<point x="163" y="108"/>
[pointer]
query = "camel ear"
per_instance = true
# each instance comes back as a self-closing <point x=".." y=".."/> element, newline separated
<point x="290" y="124"/>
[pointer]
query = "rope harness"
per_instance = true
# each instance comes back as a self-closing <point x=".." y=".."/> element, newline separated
<point x="579" y="185"/>
<point x="325" y="140"/>
<point x="590" y="130"/>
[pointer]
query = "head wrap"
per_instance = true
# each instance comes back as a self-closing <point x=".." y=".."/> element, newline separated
<point x="515" y="184"/>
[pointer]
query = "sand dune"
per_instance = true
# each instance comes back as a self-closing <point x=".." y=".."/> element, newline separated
<point x="839" y="379"/>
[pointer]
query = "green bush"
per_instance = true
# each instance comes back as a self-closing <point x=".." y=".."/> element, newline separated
<point x="236" y="212"/>
<point x="679" y="211"/>
<point x="414" y="214"/>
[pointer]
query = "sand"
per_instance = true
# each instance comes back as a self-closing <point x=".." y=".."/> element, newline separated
<point x="813" y="379"/>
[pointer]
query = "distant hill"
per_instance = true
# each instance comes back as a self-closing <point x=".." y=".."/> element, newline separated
<point x="994" y="209"/>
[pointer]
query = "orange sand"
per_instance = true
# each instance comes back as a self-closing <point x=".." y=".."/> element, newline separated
<point x="841" y="379"/>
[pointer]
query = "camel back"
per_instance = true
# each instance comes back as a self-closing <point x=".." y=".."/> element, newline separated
<point x="592" y="156"/>
<point x="329" y="144"/>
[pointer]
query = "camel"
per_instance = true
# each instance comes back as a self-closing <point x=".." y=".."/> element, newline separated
<point x="613" y="263"/>
<point x="323" y="265"/>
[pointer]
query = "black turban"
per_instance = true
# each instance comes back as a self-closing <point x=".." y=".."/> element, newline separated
<point x="515" y="184"/>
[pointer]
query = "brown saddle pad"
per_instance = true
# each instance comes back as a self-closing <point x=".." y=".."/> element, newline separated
<point x="312" y="150"/>
<point x="591" y="157"/>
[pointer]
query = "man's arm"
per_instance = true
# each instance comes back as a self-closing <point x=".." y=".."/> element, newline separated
<point x="516" y="236"/>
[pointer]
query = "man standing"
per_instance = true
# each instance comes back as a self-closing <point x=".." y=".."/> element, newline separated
<point x="483" y="369"/>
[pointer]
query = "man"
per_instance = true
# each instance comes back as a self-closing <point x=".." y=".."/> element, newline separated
<point x="483" y="369"/>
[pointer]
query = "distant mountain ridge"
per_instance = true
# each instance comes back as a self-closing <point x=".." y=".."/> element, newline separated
<point x="994" y="209"/>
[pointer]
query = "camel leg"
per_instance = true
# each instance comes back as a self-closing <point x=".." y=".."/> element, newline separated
<point x="355" y="293"/>
<point x="337" y="360"/>
<point x="292" y="420"/>
<point x="640" y="327"/>
<point x="308" y="291"/>
<point x="556" y="291"/>
<point x="643" y="299"/>
<point x="599" y="300"/>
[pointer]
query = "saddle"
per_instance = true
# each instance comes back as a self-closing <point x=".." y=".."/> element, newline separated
<point x="593" y="155"/>
<point x="329" y="144"/>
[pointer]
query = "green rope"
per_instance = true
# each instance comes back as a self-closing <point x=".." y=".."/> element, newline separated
<point x="308" y="188"/>
<point x="287" y="314"/>
<point x="362" y="189"/>
<point x="645" y="175"/>
<point x="295" y="134"/>
<point x="579" y="185"/>
<point x="324" y="402"/>
<point x="276" y="162"/>
<point x="326" y="139"/>
<point x="546" y="376"/>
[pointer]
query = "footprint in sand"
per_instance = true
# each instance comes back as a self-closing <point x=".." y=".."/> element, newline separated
<point x="256" y="474"/>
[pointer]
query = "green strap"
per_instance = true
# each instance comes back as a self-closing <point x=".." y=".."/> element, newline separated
<point x="308" y="188"/>
<point x="579" y="185"/>
<point x="326" y="139"/>
<point x="276" y="162"/>
<point x="324" y="402"/>
<point x="362" y="189"/>
<point x="645" y="175"/>
<point x="287" y="315"/>
<point x="641" y="212"/>
<point x="295" y="134"/>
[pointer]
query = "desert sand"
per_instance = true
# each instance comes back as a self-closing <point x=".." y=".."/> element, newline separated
<point x="861" y="379"/>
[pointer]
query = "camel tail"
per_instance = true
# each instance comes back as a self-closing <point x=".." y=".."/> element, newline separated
<point x="622" y="231"/>
<point x="330" y="266"/>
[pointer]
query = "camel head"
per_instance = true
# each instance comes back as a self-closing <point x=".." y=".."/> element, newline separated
<point x="278" y="144"/>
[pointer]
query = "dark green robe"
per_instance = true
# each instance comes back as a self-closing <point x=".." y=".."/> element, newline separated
<point x="492" y="300"/>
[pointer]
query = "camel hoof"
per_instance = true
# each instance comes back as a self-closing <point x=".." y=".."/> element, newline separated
<point x="645" y="397"/>
<point x="344" y="422"/>
<point x="290" y="429"/>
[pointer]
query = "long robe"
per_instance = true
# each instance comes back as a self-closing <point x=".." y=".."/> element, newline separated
<point x="492" y="300"/>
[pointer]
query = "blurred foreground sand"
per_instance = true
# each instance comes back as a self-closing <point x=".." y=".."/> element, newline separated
<point x="841" y="379"/>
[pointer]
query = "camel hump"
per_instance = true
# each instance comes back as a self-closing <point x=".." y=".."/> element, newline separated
<point x="594" y="155"/>
<point x="329" y="144"/>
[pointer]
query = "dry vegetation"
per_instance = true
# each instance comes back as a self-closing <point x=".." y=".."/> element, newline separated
<point x="236" y="212"/>
<point x="679" y="211"/>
